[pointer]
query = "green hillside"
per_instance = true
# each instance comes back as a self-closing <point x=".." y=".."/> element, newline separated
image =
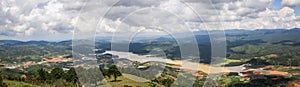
<point x="19" y="84"/>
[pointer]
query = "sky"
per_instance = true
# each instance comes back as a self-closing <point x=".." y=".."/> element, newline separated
<point x="65" y="19"/>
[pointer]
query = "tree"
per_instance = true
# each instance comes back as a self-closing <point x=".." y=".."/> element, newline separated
<point x="42" y="75"/>
<point x="167" y="82"/>
<point x="1" y="80"/>
<point x="57" y="73"/>
<point x="113" y="70"/>
<point x="105" y="72"/>
<point x="71" y="76"/>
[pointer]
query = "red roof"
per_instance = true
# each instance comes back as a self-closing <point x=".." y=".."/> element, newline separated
<point x="176" y="66"/>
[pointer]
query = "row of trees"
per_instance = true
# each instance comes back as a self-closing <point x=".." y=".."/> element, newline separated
<point x="59" y="77"/>
<point x="44" y="76"/>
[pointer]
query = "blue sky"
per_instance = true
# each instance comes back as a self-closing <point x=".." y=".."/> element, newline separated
<point x="277" y="4"/>
<point x="297" y="10"/>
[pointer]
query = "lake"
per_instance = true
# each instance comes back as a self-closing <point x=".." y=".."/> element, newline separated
<point x="185" y="64"/>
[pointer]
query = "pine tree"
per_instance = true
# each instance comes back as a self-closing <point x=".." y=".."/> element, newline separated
<point x="113" y="70"/>
<point x="57" y="73"/>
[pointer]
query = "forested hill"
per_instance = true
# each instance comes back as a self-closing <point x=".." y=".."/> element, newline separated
<point x="40" y="43"/>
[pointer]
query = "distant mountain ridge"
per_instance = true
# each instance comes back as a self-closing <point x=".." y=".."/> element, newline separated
<point x="16" y="42"/>
<point x="268" y="35"/>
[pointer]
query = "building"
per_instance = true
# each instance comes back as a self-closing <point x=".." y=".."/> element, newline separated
<point x="3" y="65"/>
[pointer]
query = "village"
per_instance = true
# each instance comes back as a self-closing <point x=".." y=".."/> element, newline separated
<point x="59" y="61"/>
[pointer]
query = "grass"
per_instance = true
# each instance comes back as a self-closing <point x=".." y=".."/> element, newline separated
<point x="18" y="84"/>
<point x="122" y="81"/>
<point x="136" y="78"/>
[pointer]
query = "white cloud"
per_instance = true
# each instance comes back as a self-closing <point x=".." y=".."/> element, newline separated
<point x="23" y="18"/>
<point x="284" y="18"/>
<point x="291" y="3"/>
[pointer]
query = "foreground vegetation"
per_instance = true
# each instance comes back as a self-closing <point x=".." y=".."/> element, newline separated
<point x="11" y="83"/>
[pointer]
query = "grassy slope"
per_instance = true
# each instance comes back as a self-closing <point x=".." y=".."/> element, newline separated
<point x="122" y="81"/>
<point x="125" y="81"/>
<point x="18" y="84"/>
<point x="135" y="78"/>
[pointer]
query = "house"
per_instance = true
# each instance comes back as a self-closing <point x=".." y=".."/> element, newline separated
<point x="2" y="65"/>
<point x="66" y="69"/>
<point x="172" y="77"/>
<point x="252" y="73"/>
<point x="198" y="75"/>
<point x="295" y="83"/>
<point x="272" y="56"/>
<point x="23" y="76"/>
<point x="174" y="67"/>
<point x="143" y="67"/>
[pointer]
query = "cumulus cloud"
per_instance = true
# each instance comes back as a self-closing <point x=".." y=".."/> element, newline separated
<point x="23" y="18"/>
<point x="284" y="18"/>
<point x="291" y="3"/>
<point x="32" y="18"/>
